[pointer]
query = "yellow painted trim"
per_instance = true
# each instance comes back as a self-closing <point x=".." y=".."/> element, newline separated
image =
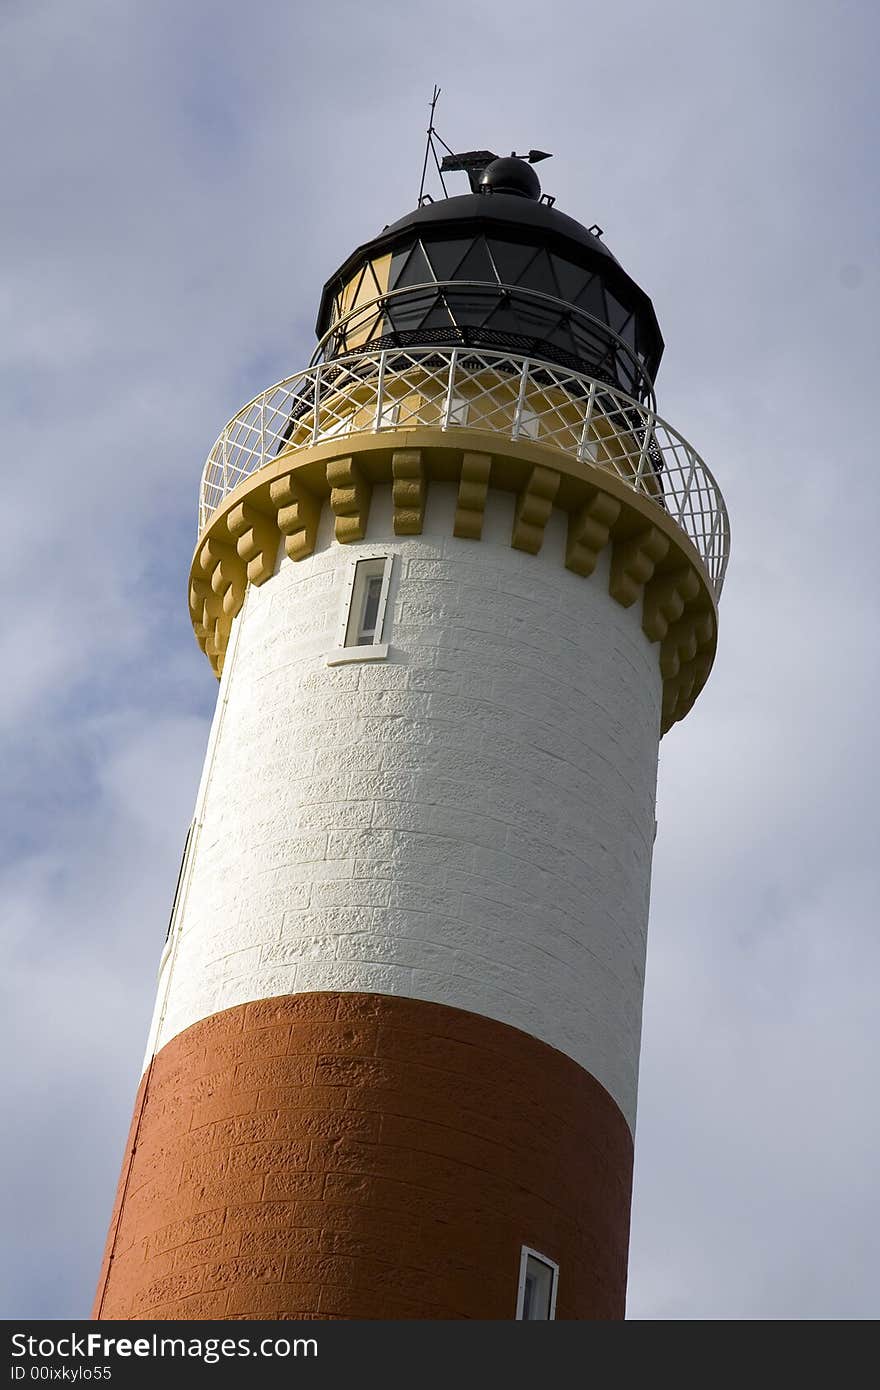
<point x="533" y="508"/>
<point x="256" y="540"/>
<point x="297" y="513"/>
<point x="473" y="488"/>
<point x="350" y="494"/>
<point x="652" y="560"/>
<point x="589" y="531"/>
<point x="633" y="563"/>
<point x="408" y="491"/>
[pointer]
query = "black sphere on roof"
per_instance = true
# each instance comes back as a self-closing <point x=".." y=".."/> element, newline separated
<point x="513" y="176"/>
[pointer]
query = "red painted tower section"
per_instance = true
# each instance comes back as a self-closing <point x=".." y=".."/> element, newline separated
<point x="345" y="1155"/>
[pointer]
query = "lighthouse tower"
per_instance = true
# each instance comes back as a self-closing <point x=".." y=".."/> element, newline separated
<point x="456" y="578"/>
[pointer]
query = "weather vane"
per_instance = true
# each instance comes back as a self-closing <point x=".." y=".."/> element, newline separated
<point x="471" y="162"/>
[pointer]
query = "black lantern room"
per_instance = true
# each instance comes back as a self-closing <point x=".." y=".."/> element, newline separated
<point x="499" y="268"/>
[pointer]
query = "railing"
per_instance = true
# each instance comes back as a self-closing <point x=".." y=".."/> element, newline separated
<point x="495" y="392"/>
<point x="467" y="313"/>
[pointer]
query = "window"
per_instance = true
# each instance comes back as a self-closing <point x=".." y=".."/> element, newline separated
<point x="528" y="423"/>
<point x="363" y="612"/>
<point x="457" y="409"/>
<point x="363" y="628"/>
<point x="538" y="1278"/>
<point x="335" y="428"/>
<point x="589" y="450"/>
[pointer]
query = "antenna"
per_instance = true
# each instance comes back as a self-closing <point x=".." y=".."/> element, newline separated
<point x="429" y="148"/>
<point x="471" y="162"/>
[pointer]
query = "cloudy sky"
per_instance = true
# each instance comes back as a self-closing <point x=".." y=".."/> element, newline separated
<point x="179" y="179"/>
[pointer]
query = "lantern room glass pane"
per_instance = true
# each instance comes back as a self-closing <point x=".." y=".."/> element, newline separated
<point x="617" y="312"/>
<point x="476" y="264"/>
<point x="592" y="299"/>
<point x="413" y="269"/>
<point x="511" y="260"/>
<point x="572" y="279"/>
<point x="409" y="311"/>
<point x="539" y="276"/>
<point x="446" y="256"/>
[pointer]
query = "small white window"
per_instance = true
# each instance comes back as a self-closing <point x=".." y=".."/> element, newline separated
<point x="528" y="423"/>
<point x="363" y="614"/>
<point x="538" y="1278"/>
<point x="458" y="409"/>
<point x="334" y="428"/>
<point x="364" y="625"/>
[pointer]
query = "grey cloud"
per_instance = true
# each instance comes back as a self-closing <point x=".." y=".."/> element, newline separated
<point x="180" y="180"/>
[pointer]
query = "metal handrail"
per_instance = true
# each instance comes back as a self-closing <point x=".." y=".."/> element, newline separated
<point x="502" y="290"/>
<point x="499" y="393"/>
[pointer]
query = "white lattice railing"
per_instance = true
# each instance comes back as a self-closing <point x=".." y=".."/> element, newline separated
<point x="502" y="394"/>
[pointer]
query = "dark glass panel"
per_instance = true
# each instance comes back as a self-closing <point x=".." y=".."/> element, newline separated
<point x="471" y="305"/>
<point x="476" y="264"/>
<point x="591" y="338"/>
<point x="504" y="318"/>
<point x="539" y="276"/>
<point x="437" y="317"/>
<point x="510" y="260"/>
<point x="592" y="299"/>
<point x="408" y="311"/>
<point x="605" y="365"/>
<point x="536" y="320"/>
<point x="562" y="336"/>
<point x="627" y="331"/>
<point x="416" y="271"/>
<point x="446" y="256"/>
<point x="617" y="312"/>
<point x="570" y="278"/>
<point x="625" y="372"/>
<point x="645" y="346"/>
<point x="559" y="330"/>
<point x="398" y="261"/>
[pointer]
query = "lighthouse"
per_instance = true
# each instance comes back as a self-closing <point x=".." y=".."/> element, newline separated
<point x="456" y="578"/>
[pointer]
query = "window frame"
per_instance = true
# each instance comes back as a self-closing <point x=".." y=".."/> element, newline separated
<point x="526" y="1254"/>
<point x="349" y="647"/>
<point x="456" y="410"/>
<point x="338" y="430"/>
<point x="388" y="418"/>
<point x="529" y="423"/>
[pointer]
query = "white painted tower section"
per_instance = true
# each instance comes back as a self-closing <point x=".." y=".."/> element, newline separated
<point x="469" y="821"/>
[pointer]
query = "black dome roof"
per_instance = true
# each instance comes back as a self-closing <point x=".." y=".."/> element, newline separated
<point x="503" y="210"/>
<point x="518" y="219"/>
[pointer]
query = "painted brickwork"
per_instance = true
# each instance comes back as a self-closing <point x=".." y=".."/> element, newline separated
<point x="470" y="822"/>
<point x="351" y="1156"/>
